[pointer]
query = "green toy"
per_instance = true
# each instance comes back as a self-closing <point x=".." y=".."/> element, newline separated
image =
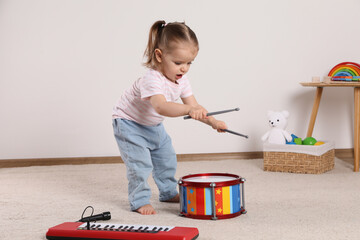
<point x="298" y="141"/>
<point x="309" y="141"/>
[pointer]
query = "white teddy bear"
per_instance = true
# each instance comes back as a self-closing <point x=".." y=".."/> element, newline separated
<point x="277" y="133"/>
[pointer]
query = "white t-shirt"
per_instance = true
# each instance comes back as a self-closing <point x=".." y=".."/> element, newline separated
<point x="134" y="104"/>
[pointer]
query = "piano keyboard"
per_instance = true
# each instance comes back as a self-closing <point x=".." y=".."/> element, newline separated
<point x="110" y="231"/>
<point x="125" y="227"/>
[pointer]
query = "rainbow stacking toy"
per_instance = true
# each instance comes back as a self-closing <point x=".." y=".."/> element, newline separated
<point x="346" y="71"/>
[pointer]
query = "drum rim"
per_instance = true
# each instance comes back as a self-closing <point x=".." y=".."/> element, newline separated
<point x="184" y="182"/>
<point x="209" y="217"/>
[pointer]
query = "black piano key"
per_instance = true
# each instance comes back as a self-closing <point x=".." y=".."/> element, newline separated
<point x="125" y="228"/>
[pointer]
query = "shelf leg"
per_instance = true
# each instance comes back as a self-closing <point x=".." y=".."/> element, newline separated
<point x="356" y="128"/>
<point x="315" y="109"/>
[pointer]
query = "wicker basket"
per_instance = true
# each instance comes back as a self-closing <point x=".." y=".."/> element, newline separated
<point x="299" y="159"/>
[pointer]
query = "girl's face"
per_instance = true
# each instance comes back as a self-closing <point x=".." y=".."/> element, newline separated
<point x="174" y="64"/>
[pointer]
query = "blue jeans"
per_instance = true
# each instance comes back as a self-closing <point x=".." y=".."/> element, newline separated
<point x="146" y="149"/>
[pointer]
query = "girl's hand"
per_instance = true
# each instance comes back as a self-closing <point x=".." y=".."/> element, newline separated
<point x="219" y="125"/>
<point x="198" y="112"/>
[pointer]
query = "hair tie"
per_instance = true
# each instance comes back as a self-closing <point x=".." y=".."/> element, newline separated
<point x="163" y="25"/>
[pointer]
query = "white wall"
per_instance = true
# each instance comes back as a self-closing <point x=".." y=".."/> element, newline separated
<point x="64" y="63"/>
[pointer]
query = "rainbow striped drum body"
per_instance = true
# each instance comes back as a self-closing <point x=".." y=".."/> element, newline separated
<point x="212" y="196"/>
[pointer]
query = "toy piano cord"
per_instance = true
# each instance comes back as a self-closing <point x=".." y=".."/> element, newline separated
<point x="103" y="231"/>
<point x="221" y="112"/>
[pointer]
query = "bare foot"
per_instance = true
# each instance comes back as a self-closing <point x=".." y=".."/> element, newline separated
<point x="175" y="199"/>
<point x="146" y="210"/>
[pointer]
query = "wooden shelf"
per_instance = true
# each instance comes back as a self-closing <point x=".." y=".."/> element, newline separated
<point x="332" y="84"/>
<point x="319" y="89"/>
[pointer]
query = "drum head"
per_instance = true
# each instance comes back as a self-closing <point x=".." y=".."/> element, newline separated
<point x="205" y="179"/>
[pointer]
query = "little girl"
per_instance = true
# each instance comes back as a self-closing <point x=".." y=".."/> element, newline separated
<point x="144" y="145"/>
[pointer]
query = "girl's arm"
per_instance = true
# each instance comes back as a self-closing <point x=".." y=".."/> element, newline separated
<point x="210" y="120"/>
<point x="171" y="109"/>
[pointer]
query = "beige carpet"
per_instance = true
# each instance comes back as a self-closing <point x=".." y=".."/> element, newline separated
<point x="279" y="205"/>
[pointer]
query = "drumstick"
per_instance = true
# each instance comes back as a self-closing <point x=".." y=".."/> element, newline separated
<point x="232" y="132"/>
<point x="215" y="113"/>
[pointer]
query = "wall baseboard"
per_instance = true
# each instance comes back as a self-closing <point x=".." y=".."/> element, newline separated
<point x="346" y="154"/>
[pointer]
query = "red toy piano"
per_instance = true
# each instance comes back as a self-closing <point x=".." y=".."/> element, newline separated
<point x="109" y="231"/>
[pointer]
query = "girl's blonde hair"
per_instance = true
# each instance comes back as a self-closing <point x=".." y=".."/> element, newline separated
<point x="161" y="36"/>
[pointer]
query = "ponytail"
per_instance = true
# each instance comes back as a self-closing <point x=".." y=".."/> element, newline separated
<point x="153" y="42"/>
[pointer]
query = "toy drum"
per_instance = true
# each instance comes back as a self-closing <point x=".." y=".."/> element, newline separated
<point x="211" y="196"/>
